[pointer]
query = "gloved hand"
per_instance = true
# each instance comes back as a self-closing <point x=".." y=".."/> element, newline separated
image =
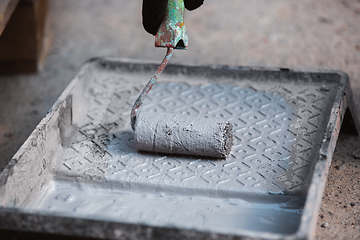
<point x="153" y="12"/>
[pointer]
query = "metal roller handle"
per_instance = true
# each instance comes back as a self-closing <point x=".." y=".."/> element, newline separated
<point x="172" y="35"/>
<point x="148" y="87"/>
<point x="172" y="31"/>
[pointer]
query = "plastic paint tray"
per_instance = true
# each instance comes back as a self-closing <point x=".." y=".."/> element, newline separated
<point x="78" y="174"/>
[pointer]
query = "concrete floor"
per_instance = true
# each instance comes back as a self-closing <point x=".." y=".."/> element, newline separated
<point x="293" y="34"/>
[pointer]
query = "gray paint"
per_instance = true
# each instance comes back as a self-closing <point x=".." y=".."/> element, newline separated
<point x="181" y="134"/>
<point x="275" y="214"/>
<point x="285" y="128"/>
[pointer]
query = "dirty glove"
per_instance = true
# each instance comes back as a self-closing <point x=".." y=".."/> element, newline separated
<point x="153" y="12"/>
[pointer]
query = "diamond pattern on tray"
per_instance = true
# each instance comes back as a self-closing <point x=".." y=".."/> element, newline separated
<point x="273" y="134"/>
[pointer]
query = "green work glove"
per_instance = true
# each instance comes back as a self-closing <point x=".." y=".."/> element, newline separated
<point x="153" y="12"/>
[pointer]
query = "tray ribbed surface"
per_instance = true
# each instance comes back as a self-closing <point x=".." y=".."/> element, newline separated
<point x="276" y="126"/>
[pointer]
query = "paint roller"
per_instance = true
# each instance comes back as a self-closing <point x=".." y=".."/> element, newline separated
<point x="171" y="133"/>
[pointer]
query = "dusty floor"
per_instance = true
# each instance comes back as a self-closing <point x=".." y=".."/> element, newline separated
<point x="312" y="34"/>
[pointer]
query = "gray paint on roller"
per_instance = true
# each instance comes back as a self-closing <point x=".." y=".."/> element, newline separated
<point x="183" y="134"/>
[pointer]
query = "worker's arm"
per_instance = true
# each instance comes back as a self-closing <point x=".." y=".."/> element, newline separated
<point x="153" y="12"/>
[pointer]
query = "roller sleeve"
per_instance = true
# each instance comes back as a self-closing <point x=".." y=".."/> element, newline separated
<point x="183" y="134"/>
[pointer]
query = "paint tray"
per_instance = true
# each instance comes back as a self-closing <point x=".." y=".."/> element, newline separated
<point x="78" y="174"/>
